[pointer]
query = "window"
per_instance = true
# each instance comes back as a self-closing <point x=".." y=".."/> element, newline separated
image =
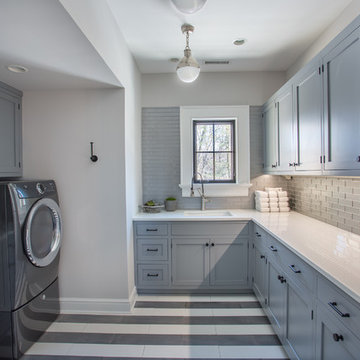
<point x="215" y="142"/>
<point x="214" y="151"/>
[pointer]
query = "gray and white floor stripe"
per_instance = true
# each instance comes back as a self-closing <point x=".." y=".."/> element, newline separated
<point x="165" y="327"/>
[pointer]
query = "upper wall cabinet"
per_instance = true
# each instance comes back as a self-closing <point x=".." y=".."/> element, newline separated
<point x="318" y="113"/>
<point x="270" y="137"/>
<point x="307" y="118"/>
<point x="10" y="132"/>
<point x="285" y="128"/>
<point x="342" y="105"/>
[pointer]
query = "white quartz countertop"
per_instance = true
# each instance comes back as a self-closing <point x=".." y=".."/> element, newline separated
<point x="333" y="252"/>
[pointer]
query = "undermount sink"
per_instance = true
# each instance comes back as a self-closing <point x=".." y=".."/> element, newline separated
<point x="207" y="213"/>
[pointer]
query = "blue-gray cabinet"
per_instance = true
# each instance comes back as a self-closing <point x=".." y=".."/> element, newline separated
<point x="10" y="132"/>
<point x="308" y="118"/>
<point x="270" y="137"/>
<point x="342" y="105"/>
<point x="322" y="138"/>
<point x="313" y="318"/>
<point x="191" y="255"/>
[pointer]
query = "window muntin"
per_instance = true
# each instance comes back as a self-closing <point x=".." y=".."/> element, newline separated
<point x="214" y="151"/>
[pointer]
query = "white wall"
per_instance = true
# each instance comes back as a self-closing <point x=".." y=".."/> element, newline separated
<point x="344" y="19"/>
<point x="98" y="24"/>
<point x="58" y="127"/>
<point x="227" y="88"/>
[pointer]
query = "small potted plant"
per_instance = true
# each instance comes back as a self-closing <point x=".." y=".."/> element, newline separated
<point x="170" y="204"/>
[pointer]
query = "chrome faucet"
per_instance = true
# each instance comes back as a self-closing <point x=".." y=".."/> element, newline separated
<point x="204" y="199"/>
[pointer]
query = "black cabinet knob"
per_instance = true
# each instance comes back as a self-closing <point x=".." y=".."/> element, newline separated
<point x="338" y="337"/>
<point x="207" y="244"/>
<point x="262" y="256"/>
<point x="212" y="244"/>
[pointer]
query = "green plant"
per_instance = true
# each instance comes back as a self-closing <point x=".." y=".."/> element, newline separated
<point x="170" y="198"/>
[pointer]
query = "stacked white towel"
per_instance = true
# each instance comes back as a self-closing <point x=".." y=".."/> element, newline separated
<point x="272" y="200"/>
<point x="262" y="201"/>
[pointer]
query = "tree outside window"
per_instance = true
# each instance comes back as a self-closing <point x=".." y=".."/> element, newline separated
<point x="214" y="151"/>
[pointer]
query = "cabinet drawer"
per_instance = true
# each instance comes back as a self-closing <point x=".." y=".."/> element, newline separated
<point x="339" y="304"/>
<point x="298" y="270"/>
<point x="277" y="251"/>
<point x="205" y="228"/>
<point x="152" y="275"/>
<point x="260" y="237"/>
<point x="152" y="249"/>
<point x="151" y="229"/>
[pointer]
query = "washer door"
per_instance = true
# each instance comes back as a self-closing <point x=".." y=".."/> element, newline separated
<point x="43" y="232"/>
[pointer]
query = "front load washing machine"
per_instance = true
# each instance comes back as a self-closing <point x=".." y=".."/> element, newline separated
<point x="30" y="239"/>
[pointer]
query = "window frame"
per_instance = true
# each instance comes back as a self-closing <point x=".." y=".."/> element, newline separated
<point x="214" y="122"/>
<point x="241" y="114"/>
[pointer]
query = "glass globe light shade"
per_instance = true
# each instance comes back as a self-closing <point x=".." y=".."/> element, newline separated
<point x="188" y="6"/>
<point x="188" y="68"/>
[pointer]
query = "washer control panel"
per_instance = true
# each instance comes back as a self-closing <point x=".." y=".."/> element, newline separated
<point x="34" y="189"/>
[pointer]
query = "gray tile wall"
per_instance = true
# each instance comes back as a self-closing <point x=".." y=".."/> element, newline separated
<point x="334" y="200"/>
<point x="161" y="160"/>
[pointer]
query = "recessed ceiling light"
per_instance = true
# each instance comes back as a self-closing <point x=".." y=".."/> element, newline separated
<point x="17" y="69"/>
<point x="174" y="60"/>
<point x="239" y="42"/>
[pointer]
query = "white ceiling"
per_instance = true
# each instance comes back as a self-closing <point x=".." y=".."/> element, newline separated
<point x="40" y="35"/>
<point x="278" y="31"/>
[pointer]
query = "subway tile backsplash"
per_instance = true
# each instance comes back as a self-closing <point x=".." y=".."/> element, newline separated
<point x="334" y="200"/>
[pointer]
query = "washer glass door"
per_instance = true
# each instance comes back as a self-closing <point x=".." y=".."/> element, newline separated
<point x="43" y="232"/>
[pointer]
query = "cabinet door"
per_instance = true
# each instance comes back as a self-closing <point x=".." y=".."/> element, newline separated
<point x="333" y="340"/>
<point x="229" y="262"/>
<point x="276" y="298"/>
<point x="259" y="273"/>
<point x="10" y="135"/>
<point x="308" y="102"/>
<point x="270" y="138"/>
<point x="190" y="262"/>
<point x="284" y="110"/>
<point x="299" y="321"/>
<point x="342" y="105"/>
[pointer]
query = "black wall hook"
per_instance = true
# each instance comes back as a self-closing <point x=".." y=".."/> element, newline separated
<point x="93" y="157"/>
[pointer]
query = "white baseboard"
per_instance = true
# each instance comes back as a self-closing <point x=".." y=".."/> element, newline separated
<point x="97" y="306"/>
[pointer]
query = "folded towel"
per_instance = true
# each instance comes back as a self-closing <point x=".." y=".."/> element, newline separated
<point x="262" y="206"/>
<point x="272" y="194"/>
<point x="284" y="209"/>
<point x="285" y="198"/>
<point x="262" y="200"/>
<point x="263" y="210"/>
<point x="273" y="189"/>
<point x="261" y="194"/>
<point x="283" y="203"/>
<point x="274" y="209"/>
<point x="282" y="193"/>
<point x="273" y="201"/>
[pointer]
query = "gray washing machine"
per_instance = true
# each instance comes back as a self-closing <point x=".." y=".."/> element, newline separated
<point x="30" y="239"/>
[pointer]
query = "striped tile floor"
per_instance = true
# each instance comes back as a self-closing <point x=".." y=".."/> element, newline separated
<point x="165" y="327"/>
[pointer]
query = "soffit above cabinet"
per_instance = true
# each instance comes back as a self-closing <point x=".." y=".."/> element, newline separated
<point x="40" y="35"/>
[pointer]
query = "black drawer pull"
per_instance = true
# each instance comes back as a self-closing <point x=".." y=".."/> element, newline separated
<point x="152" y="275"/>
<point x="262" y="256"/>
<point x="273" y="248"/>
<point x="338" y="337"/>
<point x="212" y="244"/>
<point x="155" y="250"/>
<point x="257" y="234"/>
<point x="206" y="244"/>
<point x="292" y="267"/>
<point x="149" y="230"/>
<point x="333" y="305"/>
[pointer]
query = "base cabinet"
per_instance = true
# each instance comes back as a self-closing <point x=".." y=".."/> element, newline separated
<point x="260" y="274"/>
<point x="192" y="256"/>
<point x="333" y="340"/>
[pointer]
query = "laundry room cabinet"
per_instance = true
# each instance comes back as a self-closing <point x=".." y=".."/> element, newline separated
<point x="316" y="130"/>
<point x="10" y="132"/>
<point x="192" y="256"/>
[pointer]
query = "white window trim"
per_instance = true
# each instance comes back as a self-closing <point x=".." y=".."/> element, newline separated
<point x="242" y="139"/>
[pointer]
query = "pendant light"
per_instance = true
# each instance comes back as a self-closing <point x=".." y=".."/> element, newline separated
<point x="188" y="68"/>
<point x="188" y="6"/>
